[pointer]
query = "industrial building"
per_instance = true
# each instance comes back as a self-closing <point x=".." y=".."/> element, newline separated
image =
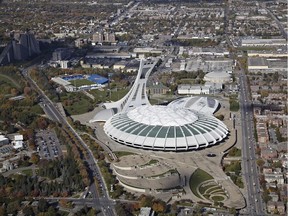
<point x="263" y="42"/>
<point x="210" y="65"/>
<point x="267" y="65"/>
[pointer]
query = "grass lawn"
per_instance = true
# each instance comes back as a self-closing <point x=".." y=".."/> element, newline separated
<point x="104" y="95"/>
<point x="188" y="81"/>
<point x="203" y="189"/>
<point x="79" y="107"/>
<point x="117" y="95"/>
<point x="150" y="163"/>
<point x="81" y="82"/>
<point x="27" y="172"/>
<point x="76" y="195"/>
<point x="213" y="190"/>
<point x="37" y="109"/>
<point x="234" y="152"/>
<point x="123" y="153"/>
<point x="76" y="103"/>
<point x="217" y="198"/>
<point x="185" y="204"/>
<point x="196" y="179"/>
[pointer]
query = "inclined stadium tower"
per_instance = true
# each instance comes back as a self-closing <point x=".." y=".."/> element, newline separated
<point x="184" y="124"/>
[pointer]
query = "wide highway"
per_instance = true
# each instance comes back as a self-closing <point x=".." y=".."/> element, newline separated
<point x="250" y="172"/>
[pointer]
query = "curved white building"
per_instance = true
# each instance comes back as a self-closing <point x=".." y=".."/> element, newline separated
<point x="206" y="105"/>
<point x="217" y="77"/>
<point x="165" y="128"/>
<point x="145" y="174"/>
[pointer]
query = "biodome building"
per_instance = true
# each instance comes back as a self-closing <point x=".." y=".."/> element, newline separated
<point x="185" y="124"/>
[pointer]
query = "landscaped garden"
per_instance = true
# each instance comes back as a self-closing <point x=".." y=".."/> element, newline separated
<point x="197" y="178"/>
<point x="204" y="187"/>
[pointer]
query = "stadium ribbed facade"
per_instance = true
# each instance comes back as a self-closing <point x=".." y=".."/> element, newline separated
<point x="165" y="128"/>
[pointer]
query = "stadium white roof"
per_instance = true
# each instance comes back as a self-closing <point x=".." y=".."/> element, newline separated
<point x="155" y="115"/>
<point x="201" y="104"/>
<point x="148" y="127"/>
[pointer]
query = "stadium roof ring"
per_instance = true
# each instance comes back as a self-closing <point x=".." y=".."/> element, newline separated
<point x="165" y="128"/>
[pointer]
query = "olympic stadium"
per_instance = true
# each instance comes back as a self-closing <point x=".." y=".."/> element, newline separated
<point x="185" y="124"/>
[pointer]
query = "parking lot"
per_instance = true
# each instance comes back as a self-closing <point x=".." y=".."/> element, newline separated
<point x="4" y="150"/>
<point x="48" y="145"/>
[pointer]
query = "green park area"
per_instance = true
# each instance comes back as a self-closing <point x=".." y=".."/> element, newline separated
<point x="234" y="103"/>
<point x="234" y="152"/>
<point x="25" y="109"/>
<point x="76" y="103"/>
<point x="204" y="187"/>
<point x="196" y="179"/>
<point x="233" y="170"/>
<point x="106" y="95"/>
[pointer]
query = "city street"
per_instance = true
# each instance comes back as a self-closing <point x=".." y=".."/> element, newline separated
<point x="250" y="170"/>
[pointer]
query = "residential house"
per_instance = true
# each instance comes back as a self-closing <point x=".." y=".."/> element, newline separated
<point x="274" y="177"/>
<point x="280" y="207"/>
<point x="271" y="206"/>
<point x="274" y="197"/>
<point x="268" y="153"/>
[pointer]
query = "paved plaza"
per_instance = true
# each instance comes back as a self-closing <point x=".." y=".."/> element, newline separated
<point x="187" y="162"/>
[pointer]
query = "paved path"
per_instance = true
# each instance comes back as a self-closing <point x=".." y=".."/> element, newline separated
<point x="187" y="162"/>
<point x="10" y="172"/>
<point x="12" y="80"/>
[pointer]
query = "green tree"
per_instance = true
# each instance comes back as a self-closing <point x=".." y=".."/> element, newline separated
<point x="3" y="210"/>
<point x="92" y="212"/>
<point x="197" y="209"/>
<point x="13" y="207"/>
<point x="28" y="211"/>
<point x="51" y="211"/>
<point x="234" y="152"/>
<point x="43" y="205"/>
<point x="260" y="162"/>
<point x="34" y="158"/>
<point x="146" y="201"/>
<point x="266" y="196"/>
<point x="232" y="211"/>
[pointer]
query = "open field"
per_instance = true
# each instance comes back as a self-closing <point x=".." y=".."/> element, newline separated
<point x="104" y="95"/>
<point x="76" y="103"/>
<point x="81" y="82"/>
